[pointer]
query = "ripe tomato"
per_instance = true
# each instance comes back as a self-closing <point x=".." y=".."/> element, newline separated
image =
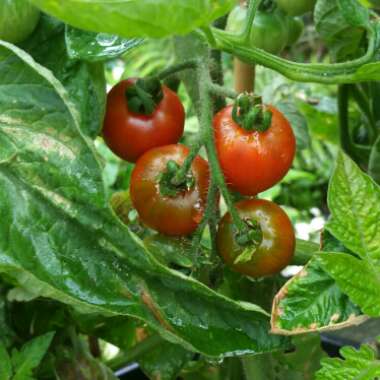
<point x="18" y="18"/>
<point x="296" y="7"/>
<point x="253" y="161"/>
<point x="277" y="247"/>
<point x="171" y="215"/>
<point x="129" y="135"/>
<point x="269" y="30"/>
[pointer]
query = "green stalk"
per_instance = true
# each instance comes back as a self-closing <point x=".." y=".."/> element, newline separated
<point x="346" y="72"/>
<point x="258" y="367"/>
<point x="222" y="91"/>
<point x="135" y="352"/>
<point x="343" y="98"/>
<point x="208" y="216"/>
<point x="185" y="167"/>
<point x="190" y="64"/>
<point x="252" y="9"/>
<point x="363" y="102"/>
<point x="207" y="136"/>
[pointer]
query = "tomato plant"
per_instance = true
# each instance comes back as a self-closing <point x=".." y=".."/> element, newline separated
<point x="269" y="29"/>
<point x="18" y="19"/>
<point x="296" y="7"/>
<point x="276" y="247"/>
<point x="295" y="29"/>
<point x="129" y="134"/>
<point x="171" y="211"/>
<point x="253" y="161"/>
<point x="210" y="219"/>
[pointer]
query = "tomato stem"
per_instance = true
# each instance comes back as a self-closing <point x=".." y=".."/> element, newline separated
<point x="144" y="96"/>
<point x="250" y="114"/>
<point x="336" y="73"/>
<point x="222" y="91"/>
<point x="207" y="135"/>
<point x="190" y="64"/>
<point x="209" y="216"/>
<point x="140" y="349"/>
<point x="252" y="9"/>
<point x="186" y="166"/>
<point x="170" y="188"/>
<point x="343" y="99"/>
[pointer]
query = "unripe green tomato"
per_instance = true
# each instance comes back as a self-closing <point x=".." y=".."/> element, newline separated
<point x="296" y="7"/>
<point x="295" y="29"/>
<point x="236" y="20"/>
<point x="269" y="31"/>
<point x="18" y="18"/>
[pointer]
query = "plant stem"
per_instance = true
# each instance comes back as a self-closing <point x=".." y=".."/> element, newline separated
<point x="258" y="367"/>
<point x="208" y="140"/>
<point x="185" y="167"/>
<point x="222" y="91"/>
<point x="208" y="214"/>
<point x="363" y="103"/>
<point x="252" y="9"/>
<point x="216" y="70"/>
<point x="209" y="35"/>
<point x="346" y="72"/>
<point x="135" y="352"/>
<point x="343" y="91"/>
<point x="190" y="64"/>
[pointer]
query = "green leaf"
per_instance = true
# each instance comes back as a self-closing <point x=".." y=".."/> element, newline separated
<point x="312" y="301"/>
<point x="30" y="356"/>
<point x="354" y="202"/>
<point x="304" y="361"/>
<point x="165" y="362"/>
<point x="6" y="332"/>
<point x="354" y="13"/>
<point x="321" y="119"/>
<point x="357" y="364"/>
<point x="19" y="294"/>
<point x="5" y="363"/>
<point x="304" y="251"/>
<point x="18" y="18"/>
<point x="59" y="236"/>
<point x="329" y="243"/>
<point x="119" y="331"/>
<point x="298" y="123"/>
<point x="91" y="46"/>
<point x="359" y="279"/>
<point x="84" y="81"/>
<point x="374" y="161"/>
<point x="143" y="18"/>
<point x="340" y="24"/>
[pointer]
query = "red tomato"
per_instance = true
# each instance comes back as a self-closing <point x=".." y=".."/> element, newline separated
<point x="253" y="161"/>
<point x="277" y="247"/>
<point x="129" y="135"/>
<point x="171" y="215"/>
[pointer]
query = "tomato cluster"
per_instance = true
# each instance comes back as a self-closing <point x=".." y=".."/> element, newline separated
<point x="273" y="29"/>
<point x="173" y="202"/>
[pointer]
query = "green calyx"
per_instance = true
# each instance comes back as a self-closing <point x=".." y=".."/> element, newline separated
<point x="144" y="96"/>
<point x="172" y="183"/>
<point x="249" y="239"/>
<point x="250" y="114"/>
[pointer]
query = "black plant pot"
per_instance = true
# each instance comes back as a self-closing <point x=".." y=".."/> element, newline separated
<point x="132" y="372"/>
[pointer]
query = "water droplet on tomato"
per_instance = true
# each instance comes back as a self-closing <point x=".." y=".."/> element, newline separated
<point x="197" y="212"/>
